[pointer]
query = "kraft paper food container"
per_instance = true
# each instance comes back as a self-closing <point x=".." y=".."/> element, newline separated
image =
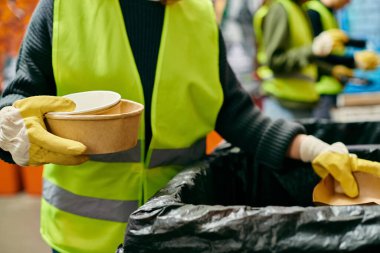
<point x="111" y="130"/>
<point x="329" y="192"/>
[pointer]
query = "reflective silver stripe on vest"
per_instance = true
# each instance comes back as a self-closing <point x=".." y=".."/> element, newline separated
<point x="296" y="76"/>
<point x="184" y="156"/>
<point x="104" y="209"/>
<point x="132" y="155"/>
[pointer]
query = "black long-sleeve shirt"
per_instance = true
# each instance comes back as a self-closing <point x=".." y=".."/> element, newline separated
<point x="239" y="120"/>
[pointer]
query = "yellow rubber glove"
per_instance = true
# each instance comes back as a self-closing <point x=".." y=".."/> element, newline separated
<point x="329" y="41"/>
<point x="23" y="133"/>
<point x="341" y="166"/>
<point x="366" y="60"/>
<point x="338" y="36"/>
<point x="340" y="71"/>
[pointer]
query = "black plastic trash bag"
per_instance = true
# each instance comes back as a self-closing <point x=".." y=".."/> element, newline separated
<point x="226" y="204"/>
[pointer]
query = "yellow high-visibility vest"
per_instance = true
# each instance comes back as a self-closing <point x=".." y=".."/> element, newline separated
<point x="85" y="208"/>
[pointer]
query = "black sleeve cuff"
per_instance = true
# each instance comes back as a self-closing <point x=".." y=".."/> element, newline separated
<point x="275" y="142"/>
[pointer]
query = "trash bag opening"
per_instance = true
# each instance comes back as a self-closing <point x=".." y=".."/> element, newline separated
<point x="228" y="203"/>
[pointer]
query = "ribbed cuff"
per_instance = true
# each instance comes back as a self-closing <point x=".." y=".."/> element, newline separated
<point x="275" y="143"/>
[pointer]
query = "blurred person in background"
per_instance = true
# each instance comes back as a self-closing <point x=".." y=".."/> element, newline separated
<point x="336" y="68"/>
<point x="159" y="54"/>
<point x="261" y="71"/>
<point x="291" y="54"/>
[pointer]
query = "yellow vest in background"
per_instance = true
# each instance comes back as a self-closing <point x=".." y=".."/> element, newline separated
<point x="296" y="86"/>
<point x="263" y="71"/>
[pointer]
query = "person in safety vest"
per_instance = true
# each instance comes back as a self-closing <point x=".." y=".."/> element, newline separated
<point x="262" y="71"/>
<point x="169" y="57"/>
<point x="337" y="67"/>
<point x="291" y="54"/>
